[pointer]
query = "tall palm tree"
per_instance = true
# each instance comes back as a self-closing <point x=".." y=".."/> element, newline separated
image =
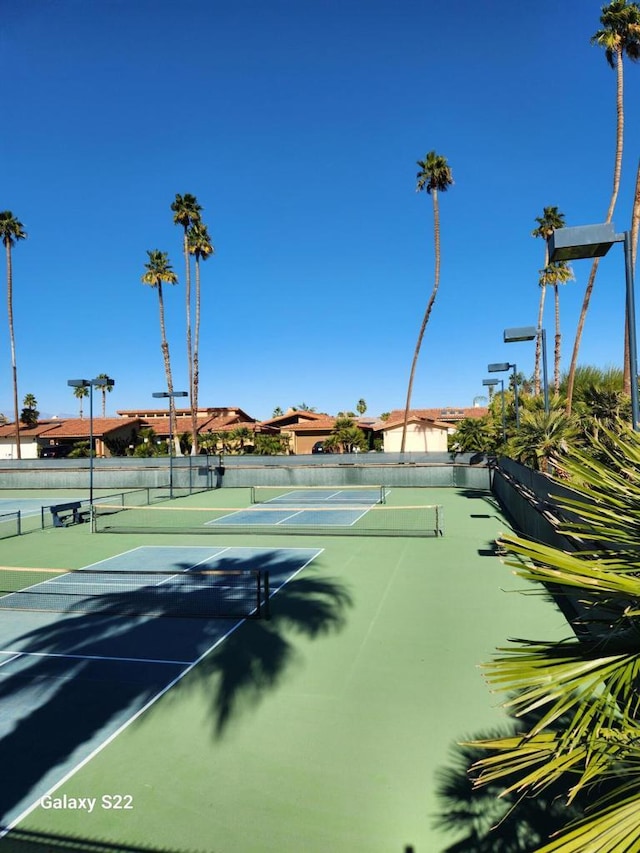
<point x="547" y="223"/>
<point x="159" y="272"/>
<point x="103" y="390"/>
<point x="620" y="37"/>
<point x="553" y="275"/>
<point x="434" y="176"/>
<point x="201" y="247"/>
<point x="186" y="212"/>
<point x="80" y="392"/>
<point x="12" y="230"/>
<point x="361" y="406"/>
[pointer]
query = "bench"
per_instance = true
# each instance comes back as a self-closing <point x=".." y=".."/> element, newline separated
<point x="70" y="513"/>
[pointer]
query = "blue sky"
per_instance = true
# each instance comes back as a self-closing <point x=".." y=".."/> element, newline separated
<point x="298" y="124"/>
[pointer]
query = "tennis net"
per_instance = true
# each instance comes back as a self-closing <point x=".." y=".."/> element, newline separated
<point x="201" y="594"/>
<point x="374" y="520"/>
<point x="10" y="524"/>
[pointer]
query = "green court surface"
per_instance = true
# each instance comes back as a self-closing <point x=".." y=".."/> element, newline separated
<point x="322" y="729"/>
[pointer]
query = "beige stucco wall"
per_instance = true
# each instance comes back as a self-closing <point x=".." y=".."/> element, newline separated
<point x="420" y="439"/>
<point x="28" y="449"/>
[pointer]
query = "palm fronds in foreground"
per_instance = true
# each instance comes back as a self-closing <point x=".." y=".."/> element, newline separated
<point x="591" y="682"/>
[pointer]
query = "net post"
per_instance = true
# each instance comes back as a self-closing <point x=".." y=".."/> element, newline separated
<point x="252" y="497"/>
<point x="92" y="518"/>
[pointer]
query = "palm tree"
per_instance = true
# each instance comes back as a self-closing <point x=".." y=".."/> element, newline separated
<point x="547" y="223"/>
<point x="201" y="247"/>
<point x="619" y="36"/>
<point x="277" y="412"/>
<point x="591" y="681"/>
<point x="186" y="212"/>
<point x="541" y="437"/>
<point x="11" y="230"/>
<point x="361" y="406"/>
<point x="434" y="176"/>
<point x="103" y="390"/>
<point x="29" y="414"/>
<point x="554" y="275"/>
<point x="29" y="401"/>
<point x="80" y="392"/>
<point x="159" y="271"/>
<point x="474" y="435"/>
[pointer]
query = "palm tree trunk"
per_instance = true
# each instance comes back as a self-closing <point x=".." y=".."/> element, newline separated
<point x="612" y="204"/>
<point x="196" y="368"/>
<point x="167" y="369"/>
<point x="427" y="314"/>
<point x="14" y="369"/>
<point x="189" y="341"/>
<point x="558" y="339"/>
<point x="536" y="370"/>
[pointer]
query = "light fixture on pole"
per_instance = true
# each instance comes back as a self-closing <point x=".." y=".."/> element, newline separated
<point x="530" y="333"/>
<point x="501" y="367"/>
<point x="98" y="382"/>
<point x="594" y="241"/>
<point x="493" y="383"/>
<point x="170" y="395"/>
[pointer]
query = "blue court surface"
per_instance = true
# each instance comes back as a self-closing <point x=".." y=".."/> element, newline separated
<point x="290" y="517"/>
<point x="70" y="681"/>
<point x="305" y="507"/>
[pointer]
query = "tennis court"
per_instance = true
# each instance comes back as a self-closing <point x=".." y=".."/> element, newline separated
<point x="314" y="511"/>
<point x="91" y="630"/>
<point x="322" y="728"/>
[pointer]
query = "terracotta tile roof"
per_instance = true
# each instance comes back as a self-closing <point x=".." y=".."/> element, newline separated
<point x="446" y="414"/>
<point x="8" y="430"/>
<point x="293" y="415"/>
<point x="394" y="421"/>
<point x="323" y="423"/>
<point x="79" y="427"/>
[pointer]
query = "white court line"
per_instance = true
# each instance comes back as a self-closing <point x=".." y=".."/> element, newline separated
<point x="142" y="710"/>
<point x="189" y="568"/>
<point x="89" y="657"/>
<point x="288" y="517"/>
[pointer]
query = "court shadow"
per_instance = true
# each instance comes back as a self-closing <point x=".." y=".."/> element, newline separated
<point x="479" y="495"/>
<point x="486" y="821"/>
<point x="85" y="675"/>
<point x="251" y="662"/>
<point x="24" y="841"/>
<point x="492" y="550"/>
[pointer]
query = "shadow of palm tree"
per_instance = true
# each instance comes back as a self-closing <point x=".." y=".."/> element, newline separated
<point x="82" y="675"/>
<point x="254" y="661"/>
<point x="487" y="821"/>
<point x="27" y="841"/>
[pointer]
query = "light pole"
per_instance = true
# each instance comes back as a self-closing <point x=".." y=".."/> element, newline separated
<point x="501" y="367"/>
<point x="98" y="382"/>
<point x="594" y="241"/>
<point x="493" y="383"/>
<point x="170" y="395"/>
<point x="530" y="333"/>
